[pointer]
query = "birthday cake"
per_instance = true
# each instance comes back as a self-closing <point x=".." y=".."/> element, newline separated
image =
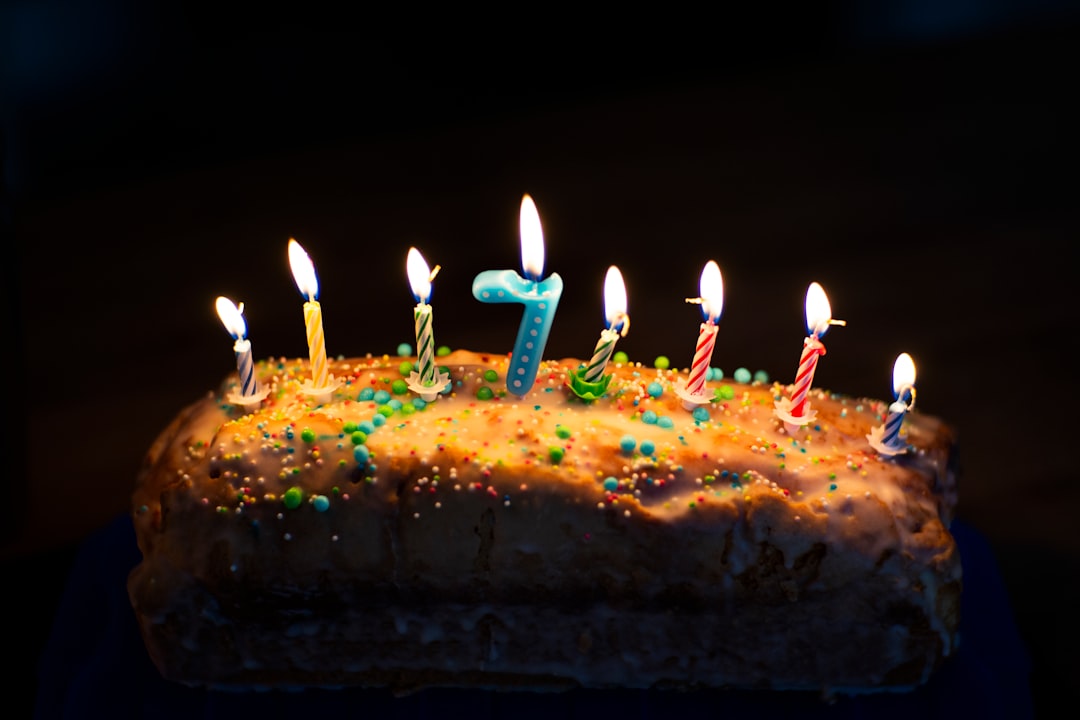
<point x="565" y="538"/>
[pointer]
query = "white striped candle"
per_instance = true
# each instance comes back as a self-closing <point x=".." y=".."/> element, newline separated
<point x="233" y="319"/>
<point x="618" y="323"/>
<point x="818" y="320"/>
<point x="304" y="273"/>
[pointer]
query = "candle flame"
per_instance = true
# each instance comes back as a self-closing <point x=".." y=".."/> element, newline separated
<point x="818" y="311"/>
<point x="532" y="240"/>
<point x="420" y="275"/>
<point x="712" y="292"/>
<point x="303" y="271"/>
<point x="232" y="317"/>
<point x="615" y="299"/>
<point x="903" y="374"/>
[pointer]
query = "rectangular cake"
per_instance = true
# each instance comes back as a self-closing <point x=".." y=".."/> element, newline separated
<point x="371" y="537"/>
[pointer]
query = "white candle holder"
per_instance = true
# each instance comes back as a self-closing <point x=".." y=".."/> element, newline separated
<point x="431" y="392"/>
<point x="691" y="399"/>
<point x="876" y="438"/>
<point x="321" y="394"/>
<point x="246" y="401"/>
<point x="792" y="423"/>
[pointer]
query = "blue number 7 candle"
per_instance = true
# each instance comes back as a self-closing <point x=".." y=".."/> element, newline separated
<point x="539" y="296"/>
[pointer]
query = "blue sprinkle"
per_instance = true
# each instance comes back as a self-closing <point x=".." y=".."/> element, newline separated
<point x="361" y="454"/>
<point x="611" y="484"/>
<point x="366" y="426"/>
<point x="648" y="417"/>
<point x="394" y="403"/>
<point x="724" y="473"/>
<point x="366" y="394"/>
<point x="665" y="422"/>
<point x="321" y="503"/>
<point x="700" y="414"/>
<point x="380" y="397"/>
<point x="832" y="486"/>
<point x="714" y="373"/>
<point x="404" y="349"/>
<point x="742" y="375"/>
<point x="378" y="420"/>
<point x="627" y="443"/>
<point x="761" y="376"/>
<point x="419" y="403"/>
<point x="648" y="447"/>
<point x="655" y="389"/>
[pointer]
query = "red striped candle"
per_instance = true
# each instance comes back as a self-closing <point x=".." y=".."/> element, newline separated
<point x="712" y="303"/>
<point x="795" y="411"/>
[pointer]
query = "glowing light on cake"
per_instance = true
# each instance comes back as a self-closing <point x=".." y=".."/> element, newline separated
<point x="618" y="324"/>
<point x="795" y="411"/>
<point x="232" y="317"/>
<point x="425" y="382"/>
<point x="711" y="299"/>
<point x="321" y="386"/>
<point x="539" y="296"/>
<point x="886" y="438"/>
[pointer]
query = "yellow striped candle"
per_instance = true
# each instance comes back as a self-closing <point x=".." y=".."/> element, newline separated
<point x="304" y="274"/>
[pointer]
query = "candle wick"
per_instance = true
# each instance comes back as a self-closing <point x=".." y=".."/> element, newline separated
<point x="695" y="301"/>
<point x="837" y="322"/>
<point x="625" y="327"/>
<point x="434" y="271"/>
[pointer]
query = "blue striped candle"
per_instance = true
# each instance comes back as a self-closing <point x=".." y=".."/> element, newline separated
<point x="233" y="320"/>
<point x="886" y="438"/>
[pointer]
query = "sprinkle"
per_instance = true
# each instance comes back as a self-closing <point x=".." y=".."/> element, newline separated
<point x="358" y="438"/>
<point x="627" y="443"/>
<point x="742" y="375"/>
<point x="611" y="484"/>
<point x="366" y="426"/>
<point x="361" y="454"/>
<point x="443" y="351"/>
<point x="404" y="349"/>
<point x="556" y="454"/>
<point x="484" y="393"/>
<point x="366" y="394"/>
<point x="381" y="397"/>
<point x="491" y="375"/>
<point x="700" y="414"/>
<point x="761" y="376"/>
<point x="648" y="447"/>
<point x="307" y="435"/>
<point x="292" y="497"/>
<point x="665" y="422"/>
<point x="649" y="417"/>
<point x="562" y="432"/>
<point x="378" y="421"/>
<point x="405" y="368"/>
<point x="655" y="390"/>
<point x="620" y="357"/>
<point x="321" y="503"/>
<point x="661" y="362"/>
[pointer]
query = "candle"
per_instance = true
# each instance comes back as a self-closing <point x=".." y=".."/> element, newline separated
<point x="539" y="296"/>
<point x="321" y="383"/>
<point x="796" y="412"/>
<point x="886" y="438"/>
<point x="618" y="324"/>
<point x="233" y="319"/>
<point x="426" y="383"/>
<point x="711" y="299"/>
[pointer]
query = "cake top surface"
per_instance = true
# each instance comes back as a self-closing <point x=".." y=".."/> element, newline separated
<point x="635" y="451"/>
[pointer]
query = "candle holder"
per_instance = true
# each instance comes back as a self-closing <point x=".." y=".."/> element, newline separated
<point x="248" y="401"/>
<point x="323" y="394"/>
<point x="429" y="392"/>
<point x="877" y="439"/>
<point x="782" y="409"/>
<point x="691" y="399"/>
<point x="585" y="389"/>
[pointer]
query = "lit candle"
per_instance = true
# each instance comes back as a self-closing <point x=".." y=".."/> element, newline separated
<point x="796" y="412"/>
<point x="711" y="299"/>
<point x="618" y="324"/>
<point x="233" y="319"/>
<point x="426" y="383"/>
<point x="539" y="296"/>
<point x="886" y="438"/>
<point x="321" y="384"/>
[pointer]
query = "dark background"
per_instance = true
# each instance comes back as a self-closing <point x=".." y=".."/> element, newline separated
<point x="917" y="158"/>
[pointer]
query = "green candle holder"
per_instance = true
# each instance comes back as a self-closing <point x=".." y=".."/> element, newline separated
<point x="588" y="391"/>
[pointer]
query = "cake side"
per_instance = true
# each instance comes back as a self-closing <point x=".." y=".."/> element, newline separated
<point x="542" y="541"/>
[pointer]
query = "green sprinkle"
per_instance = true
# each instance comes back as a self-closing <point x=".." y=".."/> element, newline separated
<point x="562" y="431"/>
<point x="408" y="409"/>
<point x="442" y="351"/>
<point x="661" y="362"/>
<point x="385" y="410"/>
<point x="358" y="437"/>
<point x="405" y="368"/>
<point x="399" y="387"/>
<point x="349" y="427"/>
<point x="491" y="375"/>
<point x="556" y="454"/>
<point x="307" y="435"/>
<point x="620" y="357"/>
<point x="292" y="498"/>
<point x="484" y="393"/>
